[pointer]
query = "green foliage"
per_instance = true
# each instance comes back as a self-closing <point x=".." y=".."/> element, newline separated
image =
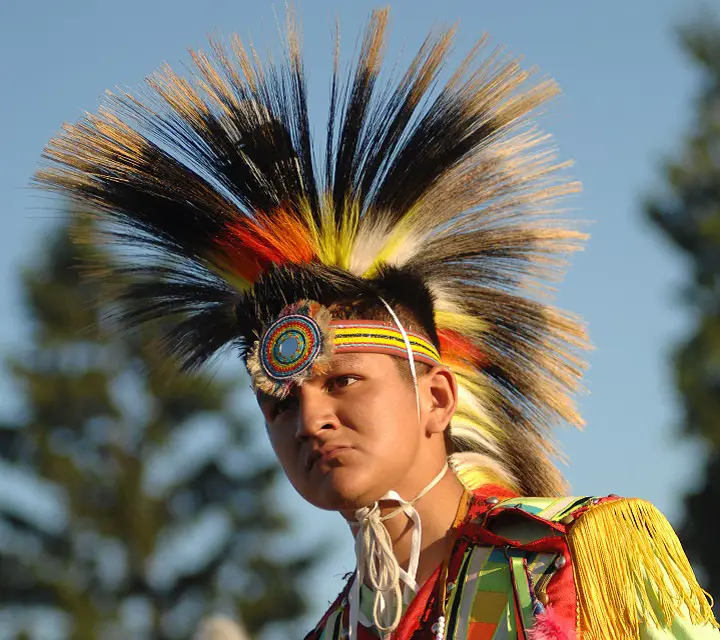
<point x="141" y="460"/>
<point x="689" y="215"/>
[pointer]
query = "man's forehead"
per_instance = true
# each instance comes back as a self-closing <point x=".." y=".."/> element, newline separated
<point x="350" y="359"/>
<point x="339" y="363"/>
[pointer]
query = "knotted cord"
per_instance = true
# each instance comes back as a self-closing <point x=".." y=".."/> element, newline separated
<point x="377" y="562"/>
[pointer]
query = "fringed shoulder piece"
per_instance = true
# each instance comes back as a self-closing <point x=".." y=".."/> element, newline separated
<point x="632" y="574"/>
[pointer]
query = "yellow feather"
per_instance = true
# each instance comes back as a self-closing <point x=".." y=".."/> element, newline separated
<point x="460" y="322"/>
<point x="345" y="235"/>
<point x="399" y="239"/>
<point x="313" y="231"/>
<point x="477" y="469"/>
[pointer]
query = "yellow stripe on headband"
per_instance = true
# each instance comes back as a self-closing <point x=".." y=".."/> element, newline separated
<point x="349" y="340"/>
<point x="378" y="337"/>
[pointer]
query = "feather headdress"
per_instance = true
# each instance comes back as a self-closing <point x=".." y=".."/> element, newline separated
<point x="437" y="198"/>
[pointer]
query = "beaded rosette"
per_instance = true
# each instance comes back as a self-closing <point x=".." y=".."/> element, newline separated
<point x="297" y="346"/>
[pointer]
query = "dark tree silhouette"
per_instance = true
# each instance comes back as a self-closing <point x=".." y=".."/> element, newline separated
<point x="689" y="215"/>
<point x="159" y="511"/>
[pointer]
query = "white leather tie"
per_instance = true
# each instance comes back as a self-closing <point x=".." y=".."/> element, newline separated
<point x="376" y="562"/>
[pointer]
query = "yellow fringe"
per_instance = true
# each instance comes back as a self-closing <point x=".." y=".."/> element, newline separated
<point x="631" y="571"/>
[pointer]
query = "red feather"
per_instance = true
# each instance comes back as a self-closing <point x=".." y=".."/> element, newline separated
<point x="549" y="626"/>
<point x="456" y="348"/>
<point x="252" y="245"/>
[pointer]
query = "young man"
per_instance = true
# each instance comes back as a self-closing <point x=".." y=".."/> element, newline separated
<point x="388" y="305"/>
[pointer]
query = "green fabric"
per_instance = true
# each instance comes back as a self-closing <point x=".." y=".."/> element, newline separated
<point x="522" y="589"/>
<point x="329" y="629"/>
<point x="681" y="629"/>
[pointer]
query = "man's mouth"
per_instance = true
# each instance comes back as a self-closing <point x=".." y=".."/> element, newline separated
<point x="323" y="454"/>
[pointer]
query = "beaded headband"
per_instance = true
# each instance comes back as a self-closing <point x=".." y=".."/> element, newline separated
<point x="300" y="343"/>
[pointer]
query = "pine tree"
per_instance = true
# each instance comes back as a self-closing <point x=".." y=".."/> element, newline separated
<point x="689" y="215"/>
<point x="163" y="513"/>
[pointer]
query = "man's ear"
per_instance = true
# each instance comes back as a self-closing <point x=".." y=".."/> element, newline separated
<point x="439" y="397"/>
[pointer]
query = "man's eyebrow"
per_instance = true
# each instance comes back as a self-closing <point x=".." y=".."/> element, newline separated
<point x="261" y="396"/>
<point x="345" y="360"/>
<point x="265" y="398"/>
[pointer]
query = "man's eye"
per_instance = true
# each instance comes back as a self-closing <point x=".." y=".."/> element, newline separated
<point x="341" y="381"/>
<point x="280" y="406"/>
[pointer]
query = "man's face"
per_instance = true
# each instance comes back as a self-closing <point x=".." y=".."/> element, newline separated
<point x="346" y="438"/>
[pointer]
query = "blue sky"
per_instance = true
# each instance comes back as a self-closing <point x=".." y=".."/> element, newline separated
<point x="627" y="100"/>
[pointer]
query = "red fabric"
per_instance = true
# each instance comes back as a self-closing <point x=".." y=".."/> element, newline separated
<point x="414" y="615"/>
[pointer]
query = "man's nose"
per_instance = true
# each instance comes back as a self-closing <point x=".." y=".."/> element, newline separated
<point x="316" y="412"/>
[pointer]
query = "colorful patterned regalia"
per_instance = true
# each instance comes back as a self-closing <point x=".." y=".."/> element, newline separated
<point x="424" y="227"/>
<point x="551" y="569"/>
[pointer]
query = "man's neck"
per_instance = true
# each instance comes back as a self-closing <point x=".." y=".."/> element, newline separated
<point x="437" y="511"/>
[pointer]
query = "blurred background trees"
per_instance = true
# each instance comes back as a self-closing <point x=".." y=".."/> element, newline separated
<point x="121" y="549"/>
<point x="689" y="215"/>
<point x="156" y="511"/>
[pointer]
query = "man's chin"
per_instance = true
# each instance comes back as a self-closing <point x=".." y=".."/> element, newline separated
<point x="345" y="489"/>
